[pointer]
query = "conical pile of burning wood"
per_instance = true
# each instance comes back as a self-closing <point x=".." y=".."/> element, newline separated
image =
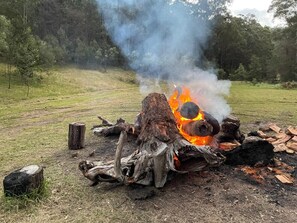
<point x="160" y="148"/>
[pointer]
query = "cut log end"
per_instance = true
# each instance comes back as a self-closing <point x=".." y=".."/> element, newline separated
<point x="198" y="128"/>
<point x="23" y="181"/>
<point x="76" y="135"/>
<point x="189" y="110"/>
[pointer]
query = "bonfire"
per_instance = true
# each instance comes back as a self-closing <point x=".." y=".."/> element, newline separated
<point x="173" y="135"/>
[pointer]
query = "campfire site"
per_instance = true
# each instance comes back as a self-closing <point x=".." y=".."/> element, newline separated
<point x="175" y="147"/>
<point x="153" y="111"/>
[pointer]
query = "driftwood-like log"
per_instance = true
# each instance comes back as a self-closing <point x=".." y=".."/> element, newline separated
<point x="159" y="144"/>
<point x="76" y="135"/>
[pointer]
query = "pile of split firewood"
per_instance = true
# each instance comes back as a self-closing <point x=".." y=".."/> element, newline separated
<point x="283" y="140"/>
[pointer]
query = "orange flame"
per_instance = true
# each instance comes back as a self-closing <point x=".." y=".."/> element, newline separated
<point x="176" y="100"/>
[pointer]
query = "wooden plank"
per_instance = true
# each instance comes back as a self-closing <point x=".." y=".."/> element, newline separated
<point x="262" y="134"/>
<point x="280" y="148"/>
<point x="228" y="146"/>
<point x="275" y="128"/>
<point x="280" y="135"/>
<point x="283" y="140"/>
<point x="292" y="130"/>
<point x="284" y="179"/>
<point x="292" y="145"/>
<point x="270" y="139"/>
<point x="294" y="139"/>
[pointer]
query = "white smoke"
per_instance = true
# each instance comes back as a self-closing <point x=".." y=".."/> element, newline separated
<point x="164" y="39"/>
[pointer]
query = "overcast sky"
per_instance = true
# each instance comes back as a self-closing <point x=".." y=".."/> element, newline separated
<point x="258" y="8"/>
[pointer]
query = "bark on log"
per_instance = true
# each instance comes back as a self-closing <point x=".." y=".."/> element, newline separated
<point x="198" y="128"/>
<point x="76" y="135"/>
<point x="157" y="119"/>
<point x="23" y="181"/>
<point x="215" y="124"/>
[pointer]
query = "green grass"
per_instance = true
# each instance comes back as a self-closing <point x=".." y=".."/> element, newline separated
<point x="33" y="130"/>
<point x="16" y="203"/>
<point x="263" y="103"/>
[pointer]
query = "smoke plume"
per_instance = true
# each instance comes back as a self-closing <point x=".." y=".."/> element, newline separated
<point x="164" y="39"/>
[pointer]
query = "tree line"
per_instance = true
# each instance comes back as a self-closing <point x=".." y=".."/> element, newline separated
<point x="42" y="33"/>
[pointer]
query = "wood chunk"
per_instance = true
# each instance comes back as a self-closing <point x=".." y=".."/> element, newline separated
<point x="227" y="146"/>
<point x="280" y="148"/>
<point x="264" y="127"/>
<point x="280" y="135"/>
<point x="275" y="128"/>
<point x="294" y="139"/>
<point x="283" y="140"/>
<point x="292" y="145"/>
<point x="232" y="119"/>
<point x="189" y="110"/>
<point x="270" y="139"/>
<point x="252" y="151"/>
<point x="262" y="134"/>
<point x="76" y="135"/>
<point x="284" y="179"/>
<point x="23" y="181"/>
<point x="290" y="151"/>
<point x="291" y="130"/>
<point x="198" y="128"/>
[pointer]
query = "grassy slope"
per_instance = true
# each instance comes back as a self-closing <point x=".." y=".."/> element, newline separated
<point x="34" y="130"/>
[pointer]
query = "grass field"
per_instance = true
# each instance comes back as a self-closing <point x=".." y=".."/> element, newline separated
<point x="34" y="130"/>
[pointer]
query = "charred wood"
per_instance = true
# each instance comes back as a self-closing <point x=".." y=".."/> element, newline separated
<point x="198" y="128"/>
<point x="253" y="150"/>
<point x="76" y="135"/>
<point x="189" y="110"/>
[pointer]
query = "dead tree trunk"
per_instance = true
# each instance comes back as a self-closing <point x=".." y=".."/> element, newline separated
<point x="76" y="135"/>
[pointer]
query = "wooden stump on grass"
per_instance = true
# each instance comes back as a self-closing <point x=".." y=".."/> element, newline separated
<point x="76" y="135"/>
<point x="23" y="181"/>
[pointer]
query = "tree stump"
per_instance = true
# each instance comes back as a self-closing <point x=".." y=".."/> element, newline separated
<point x="23" y="181"/>
<point x="76" y="135"/>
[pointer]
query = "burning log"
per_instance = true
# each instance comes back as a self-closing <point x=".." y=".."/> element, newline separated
<point x="160" y="147"/>
<point x="189" y="110"/>
<point x="198" y="128"/>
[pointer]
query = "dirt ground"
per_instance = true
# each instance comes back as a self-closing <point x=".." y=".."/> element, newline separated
<point x="223" y="194"/>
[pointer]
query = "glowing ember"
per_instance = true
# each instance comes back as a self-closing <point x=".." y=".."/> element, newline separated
<point x="176" y="100"/>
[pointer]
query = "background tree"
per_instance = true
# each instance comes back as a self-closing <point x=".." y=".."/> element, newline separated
<point x="286" y="39"/>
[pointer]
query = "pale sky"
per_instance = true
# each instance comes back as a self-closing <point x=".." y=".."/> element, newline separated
<point x="258" y="8"/>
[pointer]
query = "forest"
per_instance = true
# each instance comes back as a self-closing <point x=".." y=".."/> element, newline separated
<point x="39" y="34"/>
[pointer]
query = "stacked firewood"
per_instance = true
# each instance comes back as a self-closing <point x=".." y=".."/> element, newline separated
<point x="283" y="139"/>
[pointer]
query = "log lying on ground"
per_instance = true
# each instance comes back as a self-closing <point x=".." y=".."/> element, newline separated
<point x="159" y="143"/>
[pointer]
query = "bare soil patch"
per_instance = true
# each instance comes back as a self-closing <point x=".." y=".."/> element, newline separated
<point x="223" y="194"/>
